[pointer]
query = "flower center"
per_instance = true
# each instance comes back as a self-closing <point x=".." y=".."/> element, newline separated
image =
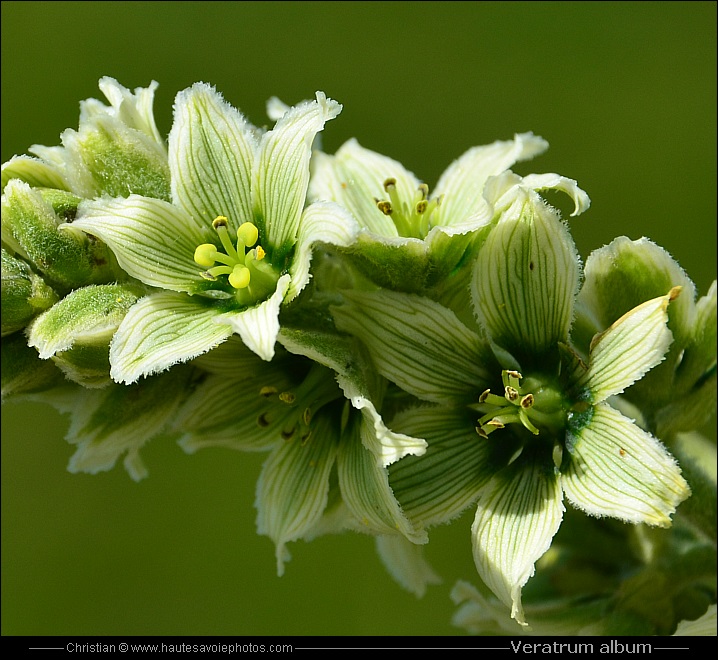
<point x="294" y="409"/>
<point x="412" y="217"/>
<point x="248" y="272"/>
<point x="535" y="406"/>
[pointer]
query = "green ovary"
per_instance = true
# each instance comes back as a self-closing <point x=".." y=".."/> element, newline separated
<point x="535" y="406"/>
<point x="248" y="272"/>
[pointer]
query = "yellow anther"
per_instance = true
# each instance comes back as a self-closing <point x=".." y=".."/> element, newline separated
<point x="239" y="277"/>
<point x="421" y="206"/>
<point x="247" y="234"/>
<point x="268" y="391"/>
<point x="260" y="253"/>
<point x="205" y="255"/>
<point x="389" y="183"/>
<point x="424" y="190"/>
<point x="385" y="207"/>
<point x="220" y="221"/>
<point x="511" y="394"/>
<point x="527" y="401"/>
<point x="288" y="397"/>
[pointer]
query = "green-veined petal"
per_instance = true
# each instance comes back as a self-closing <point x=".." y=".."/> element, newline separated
<point x="107" y="423"/>
<point x="386" y="445"/>
<point x="211" y="154"/>
<point x="365" y="485"/>
<point x="635" y="343"/>
<point x="406" y="563"/>
<point x="354" y="177"/>
<point x="436" y="487"/>
<point x="621" y="471"/>
<point x="34" y="172"/>
<point x="418" y="344"/>
<point x="152" y="240"/>
<point x="258" y="326"/>
<point x="517" y="516"/>
<point x="525" y="278"/>
<point x="161" y="330"/>
<point x="292" y="491"/>
<point x="322" y="222"/>
<point x="281" y="172"/>
<point x="231" y="412"/>
<point x="462" y="183"/>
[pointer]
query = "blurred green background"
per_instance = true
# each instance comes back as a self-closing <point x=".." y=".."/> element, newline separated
<point x="625" y="92"/>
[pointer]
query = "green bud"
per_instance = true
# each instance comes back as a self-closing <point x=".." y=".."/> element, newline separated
<point x="23" y="372"/>
<point x="76" y="332"/>
<point x="66" y="258"/>
<point x="24" y="294"/>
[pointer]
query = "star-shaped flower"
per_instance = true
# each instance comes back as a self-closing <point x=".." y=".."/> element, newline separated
<point x="412" y="240"/>
<point x="234" y="243"/>
<point x="545" y="431"/>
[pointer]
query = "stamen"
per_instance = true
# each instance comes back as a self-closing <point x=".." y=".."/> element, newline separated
<point x="205" y="255"/>
<point x="239" y="277"/>
<point x="288" y="397"/>
<point x="384" y="207"/>
<point x="247" y="234"/>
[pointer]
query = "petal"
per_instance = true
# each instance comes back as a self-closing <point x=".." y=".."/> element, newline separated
<point x="406" y="563"/>
<point x="117" y="149"/>
<point x="259" y="326"/>
<point x="152" y="240"/>
<point x="231" y="412"/>
<point x="557" y="182"/>
<point x="462" y="183"/>
<point x="34" y="172"/>
<point x="355" y="177"/>
<point x="418" y="344"/>
<point x="121" y="419"/>
<point x="386" y="445"/>
<point x="525" y="279"/>
<point x="87" y="315"/>
<point x="293" y="488"/>
<point x="281" y="172"/>
<point x="624" y="274"/>
<point x="322" y="222"/>
<point x="161" y="330"/>
<point x="618" y="470"/>
<point x="211" y="154"/>
<point x="705" y="625"/>
<point x="436" y="487"/>
<point x="635" y="343"/>
<point x="134" y="110"/>
<point x="517" y="516"/>
<point x="365" y="485"/>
